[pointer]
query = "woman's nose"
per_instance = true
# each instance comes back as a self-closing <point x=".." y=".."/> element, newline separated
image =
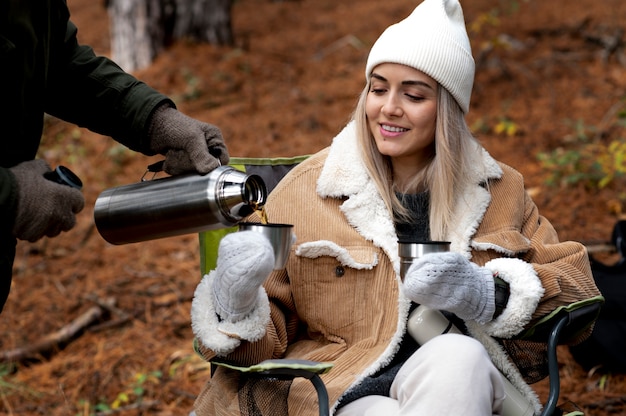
<point x="391" y="108"/>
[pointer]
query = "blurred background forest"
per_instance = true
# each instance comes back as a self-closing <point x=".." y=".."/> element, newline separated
<point x="548" y="100"/>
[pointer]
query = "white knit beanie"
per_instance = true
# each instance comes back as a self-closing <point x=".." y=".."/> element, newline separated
<point x="432" y="39"/>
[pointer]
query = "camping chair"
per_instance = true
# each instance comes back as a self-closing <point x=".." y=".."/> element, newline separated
<point x="558" y="328"/>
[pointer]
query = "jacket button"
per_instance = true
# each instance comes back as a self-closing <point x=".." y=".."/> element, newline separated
<point x="339" y="271"/>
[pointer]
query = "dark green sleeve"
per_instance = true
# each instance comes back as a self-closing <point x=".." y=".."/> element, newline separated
<point x="94" y="92"/>
<point x="8" y="205"/>
<point x="8" y="200"/>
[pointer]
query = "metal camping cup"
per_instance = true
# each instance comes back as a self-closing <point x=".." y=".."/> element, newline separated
<point x="409" y="251"/>
<point x="281" y="238"/>
<point x="178" y="205"/>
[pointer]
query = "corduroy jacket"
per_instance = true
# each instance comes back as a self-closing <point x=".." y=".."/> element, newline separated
<point x="43" y="69"/>
<point x="340" y="298"/>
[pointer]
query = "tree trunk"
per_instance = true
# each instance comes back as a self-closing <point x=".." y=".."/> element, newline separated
<point x="140" y="29"/>
<point x="204" y="21"/>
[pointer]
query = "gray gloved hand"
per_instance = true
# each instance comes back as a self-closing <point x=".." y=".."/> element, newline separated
<point x="43" y="207"/>
<point x="244" y="260"/>
<point x="448" y="281"/>
<point x="188" y="144"/>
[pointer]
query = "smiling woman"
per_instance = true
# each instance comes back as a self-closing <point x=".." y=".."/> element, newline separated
<point x="401" y="108"/>
<point x="245" y="91"/>
<point x="410" y="170"/>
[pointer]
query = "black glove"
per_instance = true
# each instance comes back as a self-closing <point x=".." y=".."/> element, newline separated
<point x="44" y="207"/>
<point x="188" y="144"/>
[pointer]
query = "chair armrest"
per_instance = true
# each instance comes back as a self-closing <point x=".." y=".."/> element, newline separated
<point x="562" y="325"/>
<point x="579" y="316"/>
<point x="288" y="369"/>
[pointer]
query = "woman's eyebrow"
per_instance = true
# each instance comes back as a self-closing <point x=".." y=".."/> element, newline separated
<point x="407" y="82"/>
<point x="417" y="83"/>
<point x="378" y="77"/>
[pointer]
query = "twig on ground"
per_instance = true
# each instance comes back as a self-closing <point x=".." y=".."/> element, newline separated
<point x="55" y="339"/>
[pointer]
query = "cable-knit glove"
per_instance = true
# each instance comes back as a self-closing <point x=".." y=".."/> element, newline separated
<point x="448" y="281"/>
<point x="244" y="260"/>
<point x="44" y="207"/>
<point x="189" y="145"/>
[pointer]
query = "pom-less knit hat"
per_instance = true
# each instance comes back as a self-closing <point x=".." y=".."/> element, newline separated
<point x="432" y="39"/>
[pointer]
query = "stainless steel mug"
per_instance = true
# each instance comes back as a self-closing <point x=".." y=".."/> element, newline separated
<point x="280" y="236"/>
<point x="177" y="205"/>
<point x="409" y="251"/>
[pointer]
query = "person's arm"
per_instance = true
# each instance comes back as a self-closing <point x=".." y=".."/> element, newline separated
<point x="523" y="249"/>
<point x="94" y="92"/>
<point x="8" y="200"/>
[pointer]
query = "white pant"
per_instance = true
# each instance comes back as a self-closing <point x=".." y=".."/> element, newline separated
<point x="449" y="375"/>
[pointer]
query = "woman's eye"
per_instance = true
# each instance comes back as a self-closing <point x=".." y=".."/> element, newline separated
<point x="377" y="90"/>
<point x="415" y="97"/>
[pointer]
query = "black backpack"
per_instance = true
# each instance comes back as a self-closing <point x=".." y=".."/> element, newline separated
<point x="606" y="347"/>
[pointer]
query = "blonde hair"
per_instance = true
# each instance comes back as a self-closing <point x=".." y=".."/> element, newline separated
<point x="445" y="175"/>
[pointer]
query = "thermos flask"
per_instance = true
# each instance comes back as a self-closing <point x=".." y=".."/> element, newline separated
<point x="425" y="323"/>
<point x="177" y="205"/>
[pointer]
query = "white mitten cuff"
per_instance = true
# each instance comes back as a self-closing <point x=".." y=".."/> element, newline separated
<point x="223" y="337"/>
<point x="525" y="293"/>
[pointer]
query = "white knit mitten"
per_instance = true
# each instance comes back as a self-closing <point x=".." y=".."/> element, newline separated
<point x="244" y="260"/>
<point x="448" y="281"/>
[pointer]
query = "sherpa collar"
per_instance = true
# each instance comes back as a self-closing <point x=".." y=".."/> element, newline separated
<point x="344" y="176"/>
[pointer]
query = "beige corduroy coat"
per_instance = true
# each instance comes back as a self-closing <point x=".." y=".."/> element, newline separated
<point x="340" y="298"/>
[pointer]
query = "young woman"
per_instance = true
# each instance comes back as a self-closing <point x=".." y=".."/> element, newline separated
<point x="405" y="167"/>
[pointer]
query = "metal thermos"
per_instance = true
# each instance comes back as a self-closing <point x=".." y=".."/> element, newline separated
<point x="425" y="323"/>
<point x="177" y="205"/>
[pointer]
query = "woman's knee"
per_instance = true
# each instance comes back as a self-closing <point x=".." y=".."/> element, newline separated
<point x="451" y="355"/>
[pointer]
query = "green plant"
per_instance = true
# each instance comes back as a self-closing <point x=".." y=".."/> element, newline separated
<point x="8" y="387"/>
<point x="136" y="389"/>
<point x="133" y="393"/>
<point x="192" y="88"/>
<point x="489" y="18"/>
<point x="506" y="127"/>
<point x="118" y="154"/>
<point x="612" y="161"/>
<point x="594" y="163"/>
<point x="582" y="131"/>
<point x="86" y="408"/>
<point x="603" y="381"/>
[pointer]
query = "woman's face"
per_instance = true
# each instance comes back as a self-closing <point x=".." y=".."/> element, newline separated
<point x="401" y="108"/>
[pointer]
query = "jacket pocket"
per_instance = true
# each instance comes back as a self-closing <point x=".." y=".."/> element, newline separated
<point x="510" y="243"/>
<point x="330" y="285"/>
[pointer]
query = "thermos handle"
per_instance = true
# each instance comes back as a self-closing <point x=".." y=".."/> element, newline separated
<point x="155" y="168"/>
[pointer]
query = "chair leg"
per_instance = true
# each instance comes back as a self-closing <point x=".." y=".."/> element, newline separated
<point x="553" y="368"/>
<point x="322" y="395"/>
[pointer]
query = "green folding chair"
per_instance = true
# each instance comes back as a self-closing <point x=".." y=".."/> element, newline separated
<point x="560" y="327"/>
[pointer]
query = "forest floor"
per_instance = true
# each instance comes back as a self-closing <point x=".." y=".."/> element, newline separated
<point x="551" y="80"/>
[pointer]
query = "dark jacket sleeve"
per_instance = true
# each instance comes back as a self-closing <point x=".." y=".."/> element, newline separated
<point x="8" y="205"/>
<point x="8" y="200"/>
<point x="94" y="92"/>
